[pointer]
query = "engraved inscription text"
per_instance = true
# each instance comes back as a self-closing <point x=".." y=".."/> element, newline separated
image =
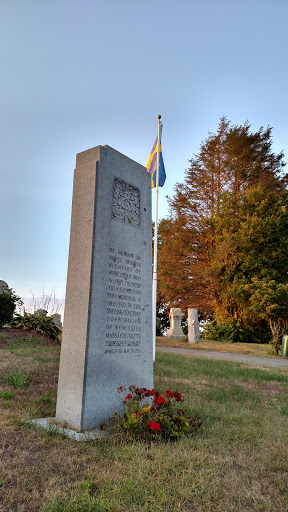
<point x="123" y="314"/>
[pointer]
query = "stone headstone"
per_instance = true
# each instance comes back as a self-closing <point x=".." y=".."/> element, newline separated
<point x="3" y="286"/>
<point x="107" y="334"/>
<point x="175" y="317"/>
<point x="41" y="312"/>
<point x="57" y="319"/>
<point x="193" y="326"/>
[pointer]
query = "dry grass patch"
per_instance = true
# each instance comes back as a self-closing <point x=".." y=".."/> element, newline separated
<point x="17" y="336"/>
<point x="236" y="462"/>
<point x="217" y="346"/>
<point x="265" y="387"/>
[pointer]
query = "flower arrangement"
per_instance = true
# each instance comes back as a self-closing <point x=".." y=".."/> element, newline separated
<point x="149" y="415"/>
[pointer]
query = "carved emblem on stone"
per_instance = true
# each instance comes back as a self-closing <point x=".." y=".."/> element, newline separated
<point x="126" y="203"/>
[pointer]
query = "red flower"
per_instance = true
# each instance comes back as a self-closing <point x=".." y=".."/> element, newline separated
<point x="150" y="392"/>
<point x="169" y="393"/>
<point x="128" y="397"/>
<point x="159" y="400"/>
<point x="138" y="415"/>
<point x="153" y="425"/>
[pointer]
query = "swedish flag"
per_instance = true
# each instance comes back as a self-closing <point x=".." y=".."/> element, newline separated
<point x="152" y="165"/>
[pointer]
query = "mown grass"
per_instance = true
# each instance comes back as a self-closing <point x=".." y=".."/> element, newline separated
<point x="237" y="461"/>
<point x="254" y="349"/>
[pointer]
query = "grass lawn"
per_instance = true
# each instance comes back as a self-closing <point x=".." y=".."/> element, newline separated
<point x="237" y="461"/>
<point x="254" y="349"/>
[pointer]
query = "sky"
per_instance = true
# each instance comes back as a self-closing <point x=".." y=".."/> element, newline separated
<point x="81" y="73"/>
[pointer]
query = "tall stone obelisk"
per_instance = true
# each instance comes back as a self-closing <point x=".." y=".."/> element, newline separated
<point x="107" y="334"/>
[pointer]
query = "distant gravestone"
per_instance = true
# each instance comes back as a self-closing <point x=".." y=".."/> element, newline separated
<point x="107" y="334"/>
<point x="41" y="312"/>
<point x="175" y="317"/>
<point x="193" y="326"/>
<point x="3" y="286"/>
<point x="57" y="319"/>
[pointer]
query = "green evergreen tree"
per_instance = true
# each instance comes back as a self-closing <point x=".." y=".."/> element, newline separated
<point x="250" y="246"/>
<point x="228" y="225"/>
<point x="8" y="303"/>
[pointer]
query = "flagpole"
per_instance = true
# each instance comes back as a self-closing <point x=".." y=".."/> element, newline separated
<point x="154" y="286"/>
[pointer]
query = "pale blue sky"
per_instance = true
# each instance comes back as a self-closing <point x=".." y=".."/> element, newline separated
<point x="78" y="73"/>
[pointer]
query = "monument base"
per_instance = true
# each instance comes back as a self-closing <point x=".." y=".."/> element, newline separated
<point x="50" y="425"/>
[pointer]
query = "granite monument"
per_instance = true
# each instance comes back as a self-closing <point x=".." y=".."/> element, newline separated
<point x="193" y="326"/>
<point x="56" y="317"/>
<point x="107" y="334"/>
<point x="175" y="317"/>
<point x="3" y="286"/>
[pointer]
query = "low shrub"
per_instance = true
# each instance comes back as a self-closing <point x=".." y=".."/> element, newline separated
<point x="236" y="332"/>
<point x="39" y="323"/>
<point x="149" y="415"/>
<point x="220" y="332"/>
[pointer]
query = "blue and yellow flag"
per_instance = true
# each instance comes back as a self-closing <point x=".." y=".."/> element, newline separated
<point x="152" y="166"/>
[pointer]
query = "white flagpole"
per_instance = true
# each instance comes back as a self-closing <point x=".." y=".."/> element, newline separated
<point x="154" y="290"/>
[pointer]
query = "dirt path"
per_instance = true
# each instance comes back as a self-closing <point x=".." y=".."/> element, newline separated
<point x="241" y="358"/>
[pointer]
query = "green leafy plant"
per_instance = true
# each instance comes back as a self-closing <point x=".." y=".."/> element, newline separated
<point x="149" y="415"/>
<point x="8" y="303"/>
<point x="6" y="394"/>
<point x="39" y="323"/>
<point x="18" y="380"/>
